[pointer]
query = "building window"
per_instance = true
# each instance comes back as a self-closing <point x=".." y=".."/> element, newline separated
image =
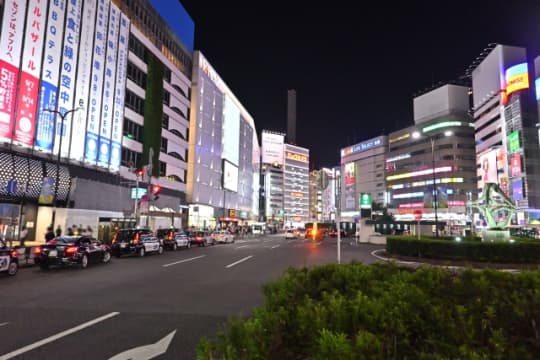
<point x="166" y="97"/>
<point x="132" y="130"/>
<point x="134" y="102"/>
<point x="136" y="75"/>
<point x="137" y="48"/>
<point x="167" y="75"/>
<point x="165" y="121"/>
<point x="162" y="168"/>
<point x="130" y="157"/>
<point x="164" y="143"/>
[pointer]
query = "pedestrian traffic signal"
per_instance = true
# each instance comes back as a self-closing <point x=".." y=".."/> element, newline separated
<point x="156" y="189"/>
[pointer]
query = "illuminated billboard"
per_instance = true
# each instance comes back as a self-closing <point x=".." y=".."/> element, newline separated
<point x="515" y="165"/>
<point x="488" y="167"/>
<point x="295" y="156"/>
<point x="349" y="173"/>
<point x="350" y="186"/>
<point x="231" y="131"/>
<point x="363" y="146"/>
<point x="537" y="88"/>
<point x="517" y="78"/>
<point x="272" y="148"/>
<point x="230" y="176"/>
<point x="517" y="189"/>
<point x="514" y="142"/>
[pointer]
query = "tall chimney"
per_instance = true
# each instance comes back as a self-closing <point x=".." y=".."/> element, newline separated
<point x="291" y="116"/>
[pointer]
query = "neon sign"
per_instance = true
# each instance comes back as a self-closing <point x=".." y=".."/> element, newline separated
<point x="517" y="78"/>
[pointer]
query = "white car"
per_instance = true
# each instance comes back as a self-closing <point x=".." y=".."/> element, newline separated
<point x="150" y="244"/>
<point x="181" y="240"/>
<point x="223" y="236"/>
<point x="291" y="234"/>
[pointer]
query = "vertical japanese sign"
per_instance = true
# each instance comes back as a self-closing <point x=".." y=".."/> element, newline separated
<point x="50" y="75"/>
<point x="108" y="87"/>
<point x="96" y="83"/>
<point x="68" y="70"/>
<point x="25" y="117"/>
<point x="10" y="56"/>
<point x="82" y="89"/>
<point x="119" y="93"/>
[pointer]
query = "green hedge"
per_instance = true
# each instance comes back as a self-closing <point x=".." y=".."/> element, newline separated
<point x="383" y="311"/>
<point x="519" y="251"/>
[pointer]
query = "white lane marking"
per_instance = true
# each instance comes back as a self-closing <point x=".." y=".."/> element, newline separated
<point x="57" y="336"/>
<point x="241" y="241"/>
<point x="275" y="246"/>
<point x="185" y="260"/>
<point x="146" y="352"/>
<point x="290" y="241"/>
<point x="4" y="323"/>
<point x="239" y="247"/>
<point x="239" y="261"/>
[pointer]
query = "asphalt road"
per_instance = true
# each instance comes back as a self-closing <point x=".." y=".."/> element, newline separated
<point x="167" y="302"/>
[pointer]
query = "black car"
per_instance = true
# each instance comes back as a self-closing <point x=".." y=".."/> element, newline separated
<point x="129" y="242"/>
<point x="9" y="259"/>
<point x="71" y="250"/>
<point x="166" y="237"/>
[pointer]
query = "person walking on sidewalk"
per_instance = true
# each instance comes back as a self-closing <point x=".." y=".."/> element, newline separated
<point x="58" y="231"/>
<point x="22" y="235"/>
<point x="49" y="235"/>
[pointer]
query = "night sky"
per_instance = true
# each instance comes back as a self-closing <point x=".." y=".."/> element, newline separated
<point x="355" y="68"/>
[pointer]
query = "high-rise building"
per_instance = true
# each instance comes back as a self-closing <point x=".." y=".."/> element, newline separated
<point x="296" y="186"/>
<point x="323" y="194"/>
<point x="505" y="118"/>
<point x="291" y="116"/>
<point x="363" y="171"/>
<point x="438" y="149"/>
<point x="223" y="180"/>
<point x="83" y="78"/>
<point x="272" y="149"/>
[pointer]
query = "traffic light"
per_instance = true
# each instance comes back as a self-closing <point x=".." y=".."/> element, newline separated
<point x="156" y="189"/>
<point x="139" y="172"/>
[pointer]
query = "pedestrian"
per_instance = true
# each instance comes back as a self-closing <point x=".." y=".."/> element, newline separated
<point x="70" y="231"/>
<point x="89" y="231"/>
<point x="22" y="235"/>
<point x="49" y="235"/>
<point x="58" y="231"/>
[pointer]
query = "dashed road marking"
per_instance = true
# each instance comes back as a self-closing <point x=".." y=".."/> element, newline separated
<point x="185" y="260"/>
<point x="275" y="246"/>
<point x="239" y="247"/>
<point x="239" y="261"/>
<point x="57" y="336"/>
<point x="4" y="323"/>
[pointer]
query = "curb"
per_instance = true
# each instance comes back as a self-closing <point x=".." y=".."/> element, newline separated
<point x="416" y="264"/>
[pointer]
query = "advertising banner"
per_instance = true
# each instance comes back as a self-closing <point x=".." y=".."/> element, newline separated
<point x="10" y="56"/>
<point x="488" y="168"/>
<point x="230" y="176"/>
<point x="231" y="131"/>
<point x="27" y="99"/>
<point x="119" y="93"/>
<point x="515" y="165"/>
<point x="82" y="90"/>
<point x="514" y="142"/>
<point x="96" y="84"/>
<point x="46" y="196"/>
<point x="68" y="70"/>
<point x="350" y="186"/>
<point x="517" y="78"/>
<point x="108" y="87"/>
<point x="50" y="75"/>
<point x="517" y="189"/>
<point x="272" y="148"/>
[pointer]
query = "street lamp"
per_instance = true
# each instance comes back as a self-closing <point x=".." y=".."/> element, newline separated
<point x="416" y="135"/>
<point x="62" y="117"/>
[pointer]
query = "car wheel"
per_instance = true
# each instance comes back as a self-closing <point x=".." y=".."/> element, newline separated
<point x="84" y="262"/>
<point x="188" y="245"/>
<point x="160" y="250"/>
<point x="106" y="257"/>
<point x="175" y="247"/>
<point x="13" y="268"/>
<point x="141" y="252"/>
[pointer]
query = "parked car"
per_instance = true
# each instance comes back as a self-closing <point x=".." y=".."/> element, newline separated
<point x="130" y="241"/>
<point x="291" y="234"/>
<point x="71" y="250"/>
<point x="178" y="241"/>
<point x="201" y="237"/>
<point x="223" y="236"/>
<point x="166" y="236"/>
<point x="9" y="259"/>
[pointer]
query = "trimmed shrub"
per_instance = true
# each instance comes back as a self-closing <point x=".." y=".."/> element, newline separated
<point x="383" y="311"/>
<point x="517" y="252"/>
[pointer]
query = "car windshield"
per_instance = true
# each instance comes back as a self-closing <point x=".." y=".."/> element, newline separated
<point x="67" y="240"/>
<point x="128" y="235"/>
<point x="164" y="232"/>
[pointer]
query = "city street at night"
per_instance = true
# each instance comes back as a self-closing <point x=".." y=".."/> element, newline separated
<point x="137" y="308"/>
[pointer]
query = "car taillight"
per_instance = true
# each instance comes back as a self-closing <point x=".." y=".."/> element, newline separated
<point x="198" y="238"/>
<point x="14" y="253"/>
<point x="70" y="250"/>
<point x="136" y="239"/>
<point x="37" y="250"/>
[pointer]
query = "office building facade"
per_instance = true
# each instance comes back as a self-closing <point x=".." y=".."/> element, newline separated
<point x="295" y="185"/>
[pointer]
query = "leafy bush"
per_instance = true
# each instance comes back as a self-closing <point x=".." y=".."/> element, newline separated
<point x="383" y="311"/>
<point x="524" y="251"/>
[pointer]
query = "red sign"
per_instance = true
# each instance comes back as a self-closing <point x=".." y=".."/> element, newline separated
<point x="418" y="214"/>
